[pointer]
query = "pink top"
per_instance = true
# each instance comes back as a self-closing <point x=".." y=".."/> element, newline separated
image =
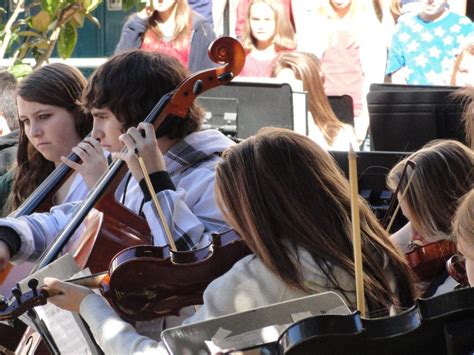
<point x="258" y="68"/>
<point x="342" y="69"/>
<point x="151" y="43"/>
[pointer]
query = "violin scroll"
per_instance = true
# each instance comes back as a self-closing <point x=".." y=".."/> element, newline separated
<point x="22" y="301"/>
<point x="227" y="50"/>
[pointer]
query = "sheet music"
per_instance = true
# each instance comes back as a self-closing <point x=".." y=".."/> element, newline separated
<point x="250" y="328"/>
<point x="66" y="328"/>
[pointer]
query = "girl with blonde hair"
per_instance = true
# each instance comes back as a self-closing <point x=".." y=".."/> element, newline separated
<point x="267" y="31"/>
<point x="463" y="230"/>
<point x="444" y="173"/>
<point x="323" y="125"/>
<point x="463" y="70"/>
<point x="170" y="27"/>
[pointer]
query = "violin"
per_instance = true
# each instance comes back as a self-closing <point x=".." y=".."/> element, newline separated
<point x="437" y="325"/>
<point x="429" y="260"/>
<point x="147" y="282"/>
<point x="456" y="266"/>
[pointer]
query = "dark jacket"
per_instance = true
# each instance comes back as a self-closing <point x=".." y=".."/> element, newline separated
<point x="201" y="37"/>
<point x="6" y="185"/>
<point x="8" y="149"/>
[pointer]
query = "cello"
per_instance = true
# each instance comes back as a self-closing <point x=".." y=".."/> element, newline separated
<point x="102" y="196"/>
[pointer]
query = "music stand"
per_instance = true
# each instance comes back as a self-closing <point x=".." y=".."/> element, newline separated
<point x="406" y="117"/>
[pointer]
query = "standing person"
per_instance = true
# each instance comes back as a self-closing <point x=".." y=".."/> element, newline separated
<point x="289" y="202"/>
<point x="267" y="32"/>
<point x="424" y="46"/>
<point x="8" y="122"/>
<point x="242" y="12"/>
<point x="323" y="125"/>
<point x="352" y="48"/>
<point x="170" y="27"/>
<point x="51" y="124"/>
<point x="444" y="173"/>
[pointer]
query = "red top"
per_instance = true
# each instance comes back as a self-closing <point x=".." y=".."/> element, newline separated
<point x="256" y="67"/>
<point x="151" y="43"/>
<point x="343" y="71"/>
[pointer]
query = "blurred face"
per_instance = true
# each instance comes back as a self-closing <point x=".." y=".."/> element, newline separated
<point x="465" y="75"/>
<point x="163" y="5"/>
<point x="107" y="128"/>
<point x="433" y="8"/>
<point x="467" y="249"/>
<point x="50" y="129"/>
<point x="340" y="4"/>
<point x="262" y="24"/>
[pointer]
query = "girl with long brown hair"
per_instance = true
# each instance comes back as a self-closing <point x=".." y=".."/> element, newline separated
<point x="170" y="27"/>
<point x="51" y="123"/>
<point x="323" y="125"/>
<point x="290" y="203"/>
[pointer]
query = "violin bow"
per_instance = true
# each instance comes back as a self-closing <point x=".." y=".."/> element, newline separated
<point x="156" y="203"/>
<point x="387" y="227"/>
<point x="356" y="240"/>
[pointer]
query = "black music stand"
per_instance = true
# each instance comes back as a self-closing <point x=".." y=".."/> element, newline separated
<point x="406" y="117"/>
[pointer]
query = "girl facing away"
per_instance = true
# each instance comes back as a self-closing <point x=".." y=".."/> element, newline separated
<point x="287" y="199"/>
<point x="170" y="27"/>
<point x="323" y="125"/>
<point x="444" y="173"/>
<point x="267" y="32"/>
<point x="51" y="123"/>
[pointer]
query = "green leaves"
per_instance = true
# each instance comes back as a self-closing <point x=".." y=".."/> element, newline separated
<point x="41" y="21"/>
<point x="20" y="70"/>
<point x="67" y="40"/>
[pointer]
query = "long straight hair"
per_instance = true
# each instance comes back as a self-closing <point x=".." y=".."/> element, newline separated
<point x="280" y="191"/>
<point x="56" y="85"/>
<point x="444" y="172"/>
<point x="183" y="23"/>
<point x="284" y="34"/>
<point x="306" y="67"/>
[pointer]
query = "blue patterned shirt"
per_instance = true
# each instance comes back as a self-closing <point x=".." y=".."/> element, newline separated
<point x="428" y="49"/>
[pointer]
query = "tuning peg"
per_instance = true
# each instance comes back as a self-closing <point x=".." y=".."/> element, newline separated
<point x="33" y="284"/>
<point x="16" y="292"/>
<point x="3" y="303"/>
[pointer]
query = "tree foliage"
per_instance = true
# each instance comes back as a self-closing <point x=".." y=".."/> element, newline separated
<point x="35" y="28"/>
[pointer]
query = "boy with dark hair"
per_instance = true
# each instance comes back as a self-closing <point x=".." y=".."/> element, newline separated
<point x="181" y="161"/>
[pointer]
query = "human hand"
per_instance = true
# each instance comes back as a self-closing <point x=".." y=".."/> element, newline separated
<point x="146" y="146"/>
<point x="94" y="162"/>
<point x="66" y="295"/>
<point x="4" y="255"/>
